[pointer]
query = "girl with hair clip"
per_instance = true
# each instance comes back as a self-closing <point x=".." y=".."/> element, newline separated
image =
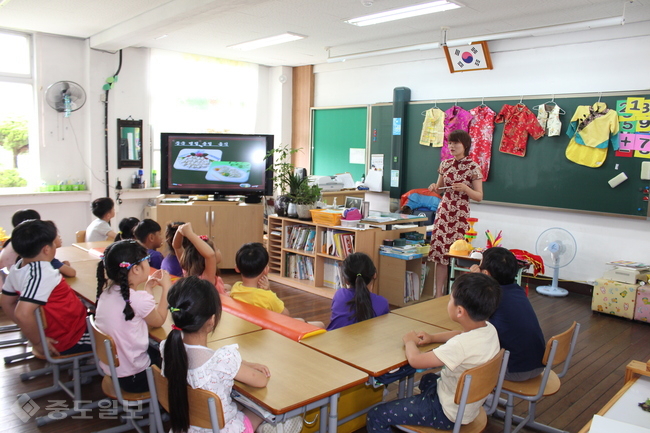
<point x="170" y="262"/>
<point x="196" y="309"/>
<point x="125" y="313"/>
<point x="198" y="256"/>
<point x="356" y="303"/>
<point x="126" y="227"/>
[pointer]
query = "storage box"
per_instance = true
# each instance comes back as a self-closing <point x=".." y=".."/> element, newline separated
<point x="642" y="307"/>
<point x="330" y="217"/>
<point x="615" y="298"/>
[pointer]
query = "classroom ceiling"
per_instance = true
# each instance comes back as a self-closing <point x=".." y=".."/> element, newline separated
<point x="208" y="27"/>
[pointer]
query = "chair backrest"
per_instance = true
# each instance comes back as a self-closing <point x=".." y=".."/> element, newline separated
<point x="484" y="379"/>
<point x="80" y="236"/>
<point x="99" y="338"/>
<point x="566" y="342"/>
<point x="199" y="401"/>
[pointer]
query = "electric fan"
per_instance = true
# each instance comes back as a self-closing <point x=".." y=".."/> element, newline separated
<point x="65" y="97"/>
<point x="557" y="247"/>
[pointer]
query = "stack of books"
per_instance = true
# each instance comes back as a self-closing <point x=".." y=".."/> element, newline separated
<point x="406" y="252"/>
<point x="338" y="243"/>
<point x="333" y="274"/>
<point x="299" y="267"/>
<point x="301" y="238"/>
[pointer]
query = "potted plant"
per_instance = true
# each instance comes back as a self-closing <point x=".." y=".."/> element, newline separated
<point x="304" y="196"/>
<point x="282" y="171"/>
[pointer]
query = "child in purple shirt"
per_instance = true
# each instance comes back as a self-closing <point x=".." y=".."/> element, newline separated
<point x="356" y="303"/>
<point x="170" y="262"/>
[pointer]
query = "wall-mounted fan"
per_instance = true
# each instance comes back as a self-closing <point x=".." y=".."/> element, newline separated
<point x="65" y="97"/>
<point x="558" y="248"/>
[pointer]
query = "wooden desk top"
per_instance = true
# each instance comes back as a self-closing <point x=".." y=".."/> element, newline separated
<point x="374" y="346"/>
<point x="88" y="245"/>
<point x="229" y="326"/>
<point x="85" y="283"/>
<point x="433" y="312"/>
<point x="74" y="254"/>
<point x="299" y="375"/>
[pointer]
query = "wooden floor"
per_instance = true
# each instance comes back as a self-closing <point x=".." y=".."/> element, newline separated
<point x="605" y="345"/>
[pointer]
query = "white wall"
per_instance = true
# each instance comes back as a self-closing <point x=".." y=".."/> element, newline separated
<point x="74" y="147"/>
<point x="585" y="62"/>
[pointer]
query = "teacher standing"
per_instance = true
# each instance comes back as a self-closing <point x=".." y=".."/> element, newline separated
<point x="460" y="179"/>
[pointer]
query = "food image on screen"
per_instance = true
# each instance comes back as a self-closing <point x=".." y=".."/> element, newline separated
<point x="196" y="159"/>
<point x="229" y="171"/>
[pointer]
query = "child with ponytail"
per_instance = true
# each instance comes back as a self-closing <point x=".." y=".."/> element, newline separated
<point x="125" y="313"/>
<point x="198" y="256"/>
<point x="195" y="310"/>
<point x="355" y="303"/>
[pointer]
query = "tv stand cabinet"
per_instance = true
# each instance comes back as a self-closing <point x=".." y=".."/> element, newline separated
<point x="228" y="225"/>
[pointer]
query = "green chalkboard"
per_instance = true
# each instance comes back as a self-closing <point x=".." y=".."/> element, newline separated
<point x="544" y="177"/>
<point x="334" y="132"/>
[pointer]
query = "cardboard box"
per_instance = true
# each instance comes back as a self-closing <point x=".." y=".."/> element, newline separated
<point x="615" y="298"/>
<point x="642" y="307"/>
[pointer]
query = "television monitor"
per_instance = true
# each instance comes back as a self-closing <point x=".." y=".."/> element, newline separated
<point x="218" y="164"/>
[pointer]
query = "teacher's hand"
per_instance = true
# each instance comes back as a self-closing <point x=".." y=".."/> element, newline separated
<point x="433" y="187"/>
<point x="460" y="187"/>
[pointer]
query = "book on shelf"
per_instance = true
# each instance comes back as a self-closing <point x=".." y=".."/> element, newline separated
<point x="332" y="274"/>
<point x="299" y="267"/>
<point x="411" y="287"/>
<point x="338" y="243"/>
<point x="298" y="237"/>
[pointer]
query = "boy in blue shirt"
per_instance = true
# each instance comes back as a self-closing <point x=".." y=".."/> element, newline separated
<point x="149" y="234"/>
<point x="515" y="320"/>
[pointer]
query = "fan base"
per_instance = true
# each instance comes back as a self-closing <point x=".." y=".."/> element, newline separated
<point x="557" y="292"/>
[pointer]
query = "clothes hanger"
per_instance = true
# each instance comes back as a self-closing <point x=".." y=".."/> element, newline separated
<point x="435" y="105"/>
<point x="482" y="102"/>
<point x="552" y="101"/>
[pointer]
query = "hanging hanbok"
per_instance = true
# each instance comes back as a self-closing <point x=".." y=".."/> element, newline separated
<point x="481" y="129"/>
<point x="433" y="128"/>
<point x="455" y="118"/>
<point x="592" y="130"/>
<point x="519" y="123"/>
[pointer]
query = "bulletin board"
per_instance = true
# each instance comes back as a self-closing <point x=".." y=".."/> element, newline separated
<point x="335" y="131"/>
<point x="543" y="177"/>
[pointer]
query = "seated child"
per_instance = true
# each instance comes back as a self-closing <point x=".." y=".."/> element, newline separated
<point x="515" y="320"/>
<point x="126" y="314"/>
<point x="126" y="227"/>
<point x="170" y="262"/>
<point x="8" y="256"/>
<point x="149" y="234"/>
<point x="474" y="297"/>
<point x="100" y="229"/>
<point x="33" y="283"/>
<point x="195" y="310"/>
<point x="356" y="303"/>
<point x="198" y="256"/>
<point x="252" y="262"/>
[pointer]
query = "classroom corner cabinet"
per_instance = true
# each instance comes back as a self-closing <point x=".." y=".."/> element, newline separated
<point x="392" y="285"/>
<point x="307" y="256"/>
<point x="228" y="225"/>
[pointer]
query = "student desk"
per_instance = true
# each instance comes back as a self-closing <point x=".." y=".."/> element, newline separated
<point x="229" y="326"/>
<point x="433" y="312"/>
<point x="301" y="378"/>
<point x="88" y="245"/>
<point x="74" y="254"/>
<point x="374" y="346"/>
<point x="85" y="283"/>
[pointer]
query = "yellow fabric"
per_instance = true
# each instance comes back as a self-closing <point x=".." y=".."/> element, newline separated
<point x="585" y="155"/>
<point x="433" y="128"/>
<point x="598" y="130"/>
<point x="259" y="297"/>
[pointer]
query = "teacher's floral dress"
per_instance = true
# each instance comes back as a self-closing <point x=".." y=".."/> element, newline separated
<point x="451" y="216"/>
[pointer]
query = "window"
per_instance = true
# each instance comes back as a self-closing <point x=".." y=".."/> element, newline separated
<point x="192" y="93"/>
<point x="18" y="155"/>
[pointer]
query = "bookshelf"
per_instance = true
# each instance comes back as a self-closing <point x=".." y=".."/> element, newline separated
<point x="289" y="243"/>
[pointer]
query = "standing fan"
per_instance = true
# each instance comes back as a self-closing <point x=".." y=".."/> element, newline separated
<point x="65" y="97"/>
<point x="558" y="247"/>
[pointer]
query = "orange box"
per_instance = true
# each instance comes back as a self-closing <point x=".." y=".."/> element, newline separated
<point x="330" y="217"/>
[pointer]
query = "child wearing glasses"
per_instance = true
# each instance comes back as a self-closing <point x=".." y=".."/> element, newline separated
<point x="124" y="313"/>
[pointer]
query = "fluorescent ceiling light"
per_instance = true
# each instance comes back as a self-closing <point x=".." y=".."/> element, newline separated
<point x="273" y="40"/>
<point x="407" y="12"/>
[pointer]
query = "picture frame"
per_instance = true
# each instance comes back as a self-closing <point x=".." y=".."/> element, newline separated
<point x="129" y="143"/>
<point x="473" y="57"/>
<point x="354" y="202"/>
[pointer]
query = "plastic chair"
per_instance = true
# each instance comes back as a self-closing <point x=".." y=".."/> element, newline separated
<point x="559" y="348"/>
<point x="105" y="351"/>
<point x="80" y="236"/>
<point x="56" y="364"/>
<point x="205" y="406"/>
<point x="474" y="385"/>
